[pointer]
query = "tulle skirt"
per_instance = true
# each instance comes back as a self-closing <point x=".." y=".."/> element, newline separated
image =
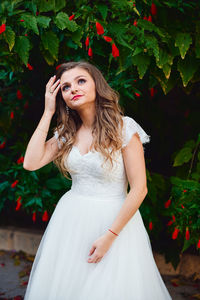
<point x="60" y="270"/>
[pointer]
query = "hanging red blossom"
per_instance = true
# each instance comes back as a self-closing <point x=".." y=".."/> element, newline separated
<point x="173" y="217"/>
<point x="167" y="203"/>
<point x="26" y="105"/>
<point x="19" y="94"/>
<point x="107" y="38"/>
<point x="29" y="66"/>
<point x="2" y="145"/>
<point x="99" y="27"/>
<point x="71" y="17"/>
<point x="184" y="191"/>
<point x="187" y="234"/>
<point x="37" y="13"/>
<point x="152" y="92"/>
<point x="198" y="244"/>
<point x="137" y="94"/>
<point x="0" y="99"/>
<point x="18" y="203"/>
<point x="20" y="160"/>
<point x="34" y="217"/>
<point x="115" y="50"/>
<point x="175" y="233"/>
<point x="2" y="28"/>
<point x="150" y="225"/>
<point x="90" y="52"/>
<point x="21" y="20"/>
<point x="45" y="216"/>
<point x="170" y="223"/>
<point x="58" y="66"/>
<point x="153" y="9"/>
<point x="26" y="34"/>
<point x="14" y="183"/>
<point x="149" y="18"/>
<point x="182" y="206"/>
<point x="87" y="41"/>
<point x="135" y="23"/>
<point x="145" y="18"/>
<point x="11" y="115"/>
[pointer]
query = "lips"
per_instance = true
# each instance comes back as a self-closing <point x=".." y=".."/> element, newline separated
<point x="77" y="96"/>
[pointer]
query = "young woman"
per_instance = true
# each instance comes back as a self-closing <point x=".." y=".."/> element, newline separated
<point x="95" y="246"/>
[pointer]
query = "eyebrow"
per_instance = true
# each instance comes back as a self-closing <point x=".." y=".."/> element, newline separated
<point x="74" y="78"/>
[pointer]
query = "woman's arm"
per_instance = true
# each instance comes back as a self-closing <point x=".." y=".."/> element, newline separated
<point x="134" y="161"/>
<point x="39" y="153"/>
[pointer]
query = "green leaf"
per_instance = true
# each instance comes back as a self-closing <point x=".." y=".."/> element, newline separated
<point x="10" y="37"/>
<point x="167" y="70"/>
<point x="22" y="47"/>
<point x="76" y="36"/>
<point x="32" y="201"/>
<point x="183" y="41"/>
<point x="183" y="156"/>
<point x="51" y="43"/>
<point x="45" y="5"/>
<point x="4" y="185"/>
<point x="43" y="21"/>
<point x="187" y="68"/>
<point x="137" y="51"/>
<point x="59" y="4"/>
<point x="103" y="10"/>
<point x="184" y="184"/>
<point x="142" y="62"/>
<point x="152" y="43"/>
<point x="62" y="22"/>
<point x="30" y="22"/>
<point x="166" y="84"/>
<point x="149" y="26"/>
<point x="54" y="184"/>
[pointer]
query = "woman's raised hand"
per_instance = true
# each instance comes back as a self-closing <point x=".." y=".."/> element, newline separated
<point x="52" y="88"/>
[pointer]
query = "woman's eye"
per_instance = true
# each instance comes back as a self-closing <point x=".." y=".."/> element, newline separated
<point x="78" y="82"/>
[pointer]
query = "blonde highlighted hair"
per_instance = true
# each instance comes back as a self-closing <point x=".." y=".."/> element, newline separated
<point x="107" y="126"/>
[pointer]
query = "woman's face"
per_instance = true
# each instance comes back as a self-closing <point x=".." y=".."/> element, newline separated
<point x="77" y="81"/>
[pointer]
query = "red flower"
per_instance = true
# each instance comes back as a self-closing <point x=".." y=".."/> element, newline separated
<point x="173" y="217"/>
<point x="34" y="217"/>
<point x="153" y="9"/>
<point x="182" y="206"/>
<point x="2" y="28"/>
<point x="99" y="27"/>
<point x="135" y="23"/>
<point x="21" y="20"/>
<point x="149" y="18"/>
<point x="87" y="41"/>
<point x="2" y="145"/>
<point x="107" y="38"/>
<point x="170" y="223"/>
<point x="175" y="233"/>
<point x="152" y="92"/>
<point x="137" y="94"/>
<point x="14" y="183"/>
<point x="29" y="66"/>
<point x="115" y="50"/>
<point x="26" y="104"/>
<point x="26" y="34"/>
<point x="18" y="203"/>
<point x="37" y="13"/>
<point x="19" y="94"/>
<point x="167" y="203"/>
<point x="90" y="52"/>
<point x="184" y="191"/>
<point x="145" y="18"/>
<point x="45" y="216"/>
<point x="0" y="99"/>
<point x="12" y="115"/>
<point x="58" y="66"/>
<point x="71" y="17"/>
<point x="198" y="244"/>
<point x="187" y="234"/>
<point x="20" y="160"/>
<point x="150" y="225"/>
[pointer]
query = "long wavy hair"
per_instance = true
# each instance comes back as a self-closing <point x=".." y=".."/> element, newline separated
<point x="107" y="126"/>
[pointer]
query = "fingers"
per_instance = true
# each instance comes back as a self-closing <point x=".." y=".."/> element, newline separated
<point x="51" y="80"/>
<point x="94" y="259"/>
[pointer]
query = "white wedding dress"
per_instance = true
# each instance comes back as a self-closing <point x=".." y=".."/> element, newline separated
<point x="127" y="271"/>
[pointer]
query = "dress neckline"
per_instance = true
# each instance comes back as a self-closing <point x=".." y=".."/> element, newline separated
<point x="87" y="153"/>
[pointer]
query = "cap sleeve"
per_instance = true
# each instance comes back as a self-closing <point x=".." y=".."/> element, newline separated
<point x="130" y="127"/>
<point x="58" y="140"/>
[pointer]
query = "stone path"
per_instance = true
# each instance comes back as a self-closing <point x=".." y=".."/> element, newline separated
<point x="15" y="269"/>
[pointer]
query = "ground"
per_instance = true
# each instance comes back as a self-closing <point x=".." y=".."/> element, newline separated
<point x="15" y="269"/>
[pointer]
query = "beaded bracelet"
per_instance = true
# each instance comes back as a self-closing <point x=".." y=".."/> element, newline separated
<point x="113" y="232"/>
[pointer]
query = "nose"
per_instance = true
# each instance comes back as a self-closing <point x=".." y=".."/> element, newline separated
<point x="74" y="88"/>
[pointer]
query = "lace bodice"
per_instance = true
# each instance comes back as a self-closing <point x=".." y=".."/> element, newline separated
<point x="91" y="178"/>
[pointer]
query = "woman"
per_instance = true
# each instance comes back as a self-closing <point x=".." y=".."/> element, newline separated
<point x="95" y="246"/>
